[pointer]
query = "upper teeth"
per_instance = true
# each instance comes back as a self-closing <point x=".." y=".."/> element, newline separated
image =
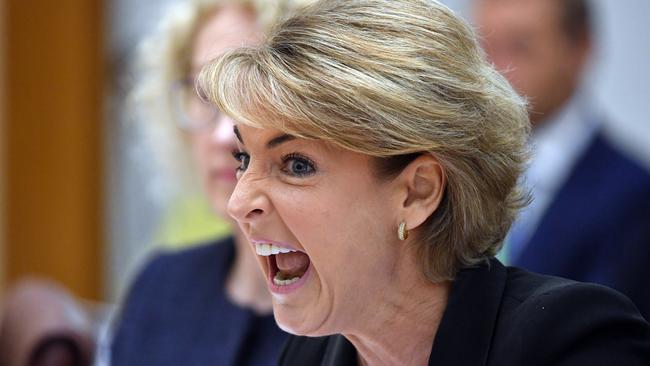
<point x="270" y="249"/>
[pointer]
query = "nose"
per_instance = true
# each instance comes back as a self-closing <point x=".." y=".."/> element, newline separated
<point x="250" y="202"/>
<point x="222" y="133"/>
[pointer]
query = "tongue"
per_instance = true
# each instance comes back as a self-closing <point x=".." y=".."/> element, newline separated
<point x="292" y="264"/>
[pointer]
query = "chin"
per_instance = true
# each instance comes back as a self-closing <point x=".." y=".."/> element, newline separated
<point x="292" y="327"/>
<point x="289" y="329"/>
<point x="290" y="323"/>
<point x="285" y="320"/>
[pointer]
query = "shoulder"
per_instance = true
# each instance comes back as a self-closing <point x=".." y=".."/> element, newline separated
<point x="541" y="298"/>
<point x="204" y="252"/>
<point x="164" y="297"/>
<point x="605" y="157"/>
<point x="607" y="195"/>
<point x="562" y="322"/>
<point x="188" y="262"/>
<point x="167" y="276"/>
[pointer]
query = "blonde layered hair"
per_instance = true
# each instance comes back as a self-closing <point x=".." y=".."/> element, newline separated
<point x="165" y="58"/>
<point x="393" y="79"/>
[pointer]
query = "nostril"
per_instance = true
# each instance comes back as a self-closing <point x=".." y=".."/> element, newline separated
<point x="255" y="212"/>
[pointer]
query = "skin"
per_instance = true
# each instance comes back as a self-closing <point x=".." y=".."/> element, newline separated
<point x="328" y="203"/>
<point x="226" y="28"/>
<point x="526" y="41"/>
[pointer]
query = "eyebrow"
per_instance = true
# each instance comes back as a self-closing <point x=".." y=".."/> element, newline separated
<point x="274" y="142"/>
<point x="236" y="131"/>
<point x="278" y="140"/>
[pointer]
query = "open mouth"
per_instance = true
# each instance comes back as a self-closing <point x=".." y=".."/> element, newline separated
<point x="286" y="266"/>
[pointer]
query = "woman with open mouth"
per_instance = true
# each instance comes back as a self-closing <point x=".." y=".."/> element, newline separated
<point x="379" y="157"/>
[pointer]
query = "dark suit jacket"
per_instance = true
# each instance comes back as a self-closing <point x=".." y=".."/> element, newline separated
<point x="597" y="229"/>
<point x="506" y="316"/>
<point x="177" y="313"/>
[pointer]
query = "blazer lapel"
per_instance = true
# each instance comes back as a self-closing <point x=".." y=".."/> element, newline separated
<point x="464" y="337"/>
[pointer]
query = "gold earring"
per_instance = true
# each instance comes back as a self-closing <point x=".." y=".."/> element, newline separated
<point x="402" y="232"/>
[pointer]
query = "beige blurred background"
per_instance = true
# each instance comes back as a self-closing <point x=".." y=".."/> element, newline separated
<point x="52" y="175"/>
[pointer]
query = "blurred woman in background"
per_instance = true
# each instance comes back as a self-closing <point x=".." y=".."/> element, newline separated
<point x="208" y="304"/>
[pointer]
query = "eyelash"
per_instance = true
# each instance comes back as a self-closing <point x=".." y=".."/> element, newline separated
<point x="295" y="157"/>
<point x="244" y="159"/>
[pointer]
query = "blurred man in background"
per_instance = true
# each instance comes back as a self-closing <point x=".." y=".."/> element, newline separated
<point x="590" y="215"/>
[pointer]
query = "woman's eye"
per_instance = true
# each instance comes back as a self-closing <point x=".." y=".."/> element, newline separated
<point x="298" y="165"/>
<point x="243" y="159"/>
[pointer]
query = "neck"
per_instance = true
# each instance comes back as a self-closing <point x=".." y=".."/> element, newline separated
<point x="246" y="285"/>
<point x="402" y="329"/>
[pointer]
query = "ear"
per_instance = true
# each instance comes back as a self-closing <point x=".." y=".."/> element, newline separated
<point x="423" y="184"/>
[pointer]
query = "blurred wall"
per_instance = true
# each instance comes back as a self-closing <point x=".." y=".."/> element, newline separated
<point x="52" y="139"/>
<point x="2" y="147"/>
<point x="621" y="75"/>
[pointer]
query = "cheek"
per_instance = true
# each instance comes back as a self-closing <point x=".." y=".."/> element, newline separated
<point x="308" y="216"/>
<point x="339" y="229"/>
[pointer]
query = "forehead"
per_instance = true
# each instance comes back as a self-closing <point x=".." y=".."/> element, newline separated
<point x="227" y="27"/>
<point x="266" y="139"/>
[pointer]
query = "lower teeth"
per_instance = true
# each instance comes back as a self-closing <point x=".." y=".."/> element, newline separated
<point x="280" y="282"/>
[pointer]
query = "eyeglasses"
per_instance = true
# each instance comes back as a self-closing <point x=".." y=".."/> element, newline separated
<point x="191" y="112"/>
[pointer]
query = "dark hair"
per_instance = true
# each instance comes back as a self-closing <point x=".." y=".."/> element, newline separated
<point x="576" y="19"/>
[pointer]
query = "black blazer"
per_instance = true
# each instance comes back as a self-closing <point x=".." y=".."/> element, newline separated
<point x="500" y="316"/>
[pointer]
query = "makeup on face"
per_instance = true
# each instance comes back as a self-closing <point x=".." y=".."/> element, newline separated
<point x="311" y="213"/>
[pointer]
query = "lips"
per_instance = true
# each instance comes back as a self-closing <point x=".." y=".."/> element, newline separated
<point x="287" y="267"/>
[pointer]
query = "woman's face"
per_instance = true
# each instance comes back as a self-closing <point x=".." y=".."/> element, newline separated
<point x="227" y="28"/>
<point x="326" y="206"/>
